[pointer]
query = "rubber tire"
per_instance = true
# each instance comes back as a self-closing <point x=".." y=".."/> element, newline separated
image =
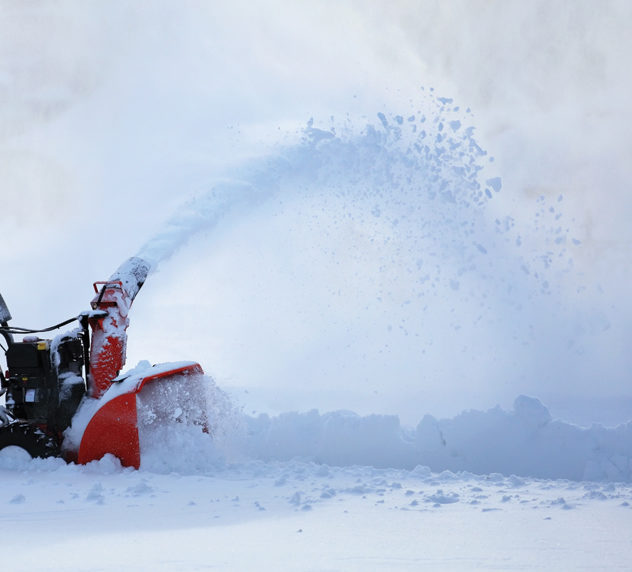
<point x="30" y="438"/>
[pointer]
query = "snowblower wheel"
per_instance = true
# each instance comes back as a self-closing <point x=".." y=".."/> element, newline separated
<point x="30" y="438"/>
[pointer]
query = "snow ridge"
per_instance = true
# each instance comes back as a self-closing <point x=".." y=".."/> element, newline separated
<point x="524" y="442"/>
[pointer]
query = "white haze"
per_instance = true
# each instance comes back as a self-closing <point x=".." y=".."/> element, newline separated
<point x="113" y="116"/>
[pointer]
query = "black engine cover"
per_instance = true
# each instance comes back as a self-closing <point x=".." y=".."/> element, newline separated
<point x="45" y="383"/>
<point x="31" y="382"/>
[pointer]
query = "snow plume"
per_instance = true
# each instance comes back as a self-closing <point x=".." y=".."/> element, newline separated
<point x="198" y="214"/>
<point x="382" y="258"/>
<point x="427" y="157"/>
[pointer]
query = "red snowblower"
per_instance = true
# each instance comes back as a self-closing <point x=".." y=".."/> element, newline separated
<point x="64" y="396"/>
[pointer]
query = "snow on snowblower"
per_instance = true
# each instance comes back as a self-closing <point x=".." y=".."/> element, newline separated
<point x="64" y="396"/>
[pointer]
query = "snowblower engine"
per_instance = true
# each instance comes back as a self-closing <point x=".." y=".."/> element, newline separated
<point x="45" y="381"/>
<point x="64" y="396"/>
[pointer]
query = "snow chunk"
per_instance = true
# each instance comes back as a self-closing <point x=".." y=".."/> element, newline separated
<point x="495" y="183"/>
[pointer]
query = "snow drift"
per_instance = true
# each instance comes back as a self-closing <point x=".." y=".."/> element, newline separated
<point x="525" y="442"/>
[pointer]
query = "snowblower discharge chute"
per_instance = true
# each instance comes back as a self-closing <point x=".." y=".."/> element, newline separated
<point x="64" y="397"/>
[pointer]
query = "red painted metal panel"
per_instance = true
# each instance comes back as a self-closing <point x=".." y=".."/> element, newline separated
<point x="113" y="429"/>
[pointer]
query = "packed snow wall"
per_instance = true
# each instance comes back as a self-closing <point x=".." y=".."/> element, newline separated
<point x="525" y="441"/>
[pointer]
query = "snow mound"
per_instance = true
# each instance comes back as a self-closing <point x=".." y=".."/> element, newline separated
<point x="524" y="442"/>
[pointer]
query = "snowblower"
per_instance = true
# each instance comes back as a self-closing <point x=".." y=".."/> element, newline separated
<point x="64" y="396"/>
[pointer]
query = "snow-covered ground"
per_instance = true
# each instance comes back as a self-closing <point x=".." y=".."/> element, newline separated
<point x="335" y="491"/>
<point x="304" y="516"/>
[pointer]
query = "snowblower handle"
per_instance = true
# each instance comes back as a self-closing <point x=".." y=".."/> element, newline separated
<point x="109" y="336"/>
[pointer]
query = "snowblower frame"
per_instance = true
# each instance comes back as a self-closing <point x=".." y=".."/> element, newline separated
<point x="63" y="396"/>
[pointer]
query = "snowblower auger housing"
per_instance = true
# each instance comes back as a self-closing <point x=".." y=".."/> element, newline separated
<point x="64" y="397"/>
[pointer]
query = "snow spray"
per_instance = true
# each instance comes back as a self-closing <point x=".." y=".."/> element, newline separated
<point x="418" y="161"/>
<point x="444" y="293"/>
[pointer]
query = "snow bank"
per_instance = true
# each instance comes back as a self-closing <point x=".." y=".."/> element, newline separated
<point x="339" y="438"/>
<point x="525" y="442"/>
